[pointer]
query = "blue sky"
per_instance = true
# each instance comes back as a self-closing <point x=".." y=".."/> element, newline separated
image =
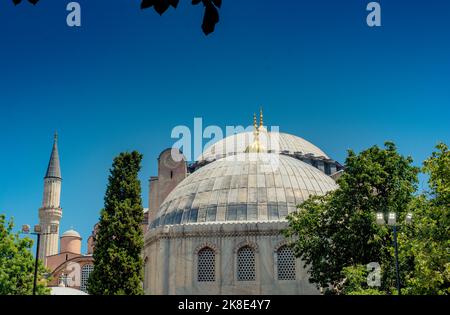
<point x="127" y="77"/>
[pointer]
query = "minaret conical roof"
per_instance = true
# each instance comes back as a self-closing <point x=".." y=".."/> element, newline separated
<point x="54" y="169"/>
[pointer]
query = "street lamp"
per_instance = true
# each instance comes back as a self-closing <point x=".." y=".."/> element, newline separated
<point x="392" y="221"/>
<point x="38" y="232"/>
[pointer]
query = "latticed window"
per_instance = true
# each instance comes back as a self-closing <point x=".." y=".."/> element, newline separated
<point x="246" y="267"/>
<point x="286" y="263"/>
<point x="206" y="268"/>
<point x="85" y="273"/>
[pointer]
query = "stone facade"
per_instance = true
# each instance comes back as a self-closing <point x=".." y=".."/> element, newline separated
<point x="69" y="267"/>
<point x="172" y="266"/>
<point x="170" y="174"/>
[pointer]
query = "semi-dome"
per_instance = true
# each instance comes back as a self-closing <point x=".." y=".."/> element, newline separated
<point x="71" y="233"/>
<point x="243" y="187"/>
<point x="275" y="142"/>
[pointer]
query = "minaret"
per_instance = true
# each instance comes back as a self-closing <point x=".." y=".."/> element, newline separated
<point x="51" y="212"/>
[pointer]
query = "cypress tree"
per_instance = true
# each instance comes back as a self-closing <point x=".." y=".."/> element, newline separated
<point x="119" y="241"/>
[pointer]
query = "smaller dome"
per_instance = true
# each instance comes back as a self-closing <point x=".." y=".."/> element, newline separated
<point x="66" y="291"/>
<point x="71" y="233"/>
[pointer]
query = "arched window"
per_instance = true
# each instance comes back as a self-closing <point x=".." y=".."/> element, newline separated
<point x="246" y="267"/>
<point x="206" y="265"/>
<point x="286" y="263"/>
<point x="85" y="273"/>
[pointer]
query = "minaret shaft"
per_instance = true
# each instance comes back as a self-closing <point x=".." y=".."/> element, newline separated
<point x="50" y="213"/>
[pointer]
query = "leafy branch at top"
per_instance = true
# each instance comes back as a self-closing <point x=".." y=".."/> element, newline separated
<point x="16" y="2"/>
<point x="210" y="17"/>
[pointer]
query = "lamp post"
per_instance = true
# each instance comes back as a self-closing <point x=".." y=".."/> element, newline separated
<point x="392" y="221"/>
<point x="38" y="233"/>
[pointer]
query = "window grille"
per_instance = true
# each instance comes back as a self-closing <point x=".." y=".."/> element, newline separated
<point x="206" y="265"/>
<point x="85" y="273"/>
<point x="286" y="263"/>
<point x="246" y="267"/>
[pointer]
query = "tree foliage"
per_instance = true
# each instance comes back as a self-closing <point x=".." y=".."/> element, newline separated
<point x="210" y="16"/>
<point x="337" y="237"/>
<point x="16" y="2"/>
<point x="427" y="241"/>
<point x="338" y="230"/>
<point x="119" y="242"/>
<point x="356" y="281"/>
<point x="17" y="263"/>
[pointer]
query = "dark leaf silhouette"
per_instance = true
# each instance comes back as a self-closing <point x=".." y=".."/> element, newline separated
<point x="210" y="17"/>
<point x="217" y="3"/>
<point x="160" y="6"/>
<point x="16" y="2"/>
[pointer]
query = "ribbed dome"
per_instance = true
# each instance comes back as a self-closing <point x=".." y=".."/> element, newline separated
<point x="275" y="141"/>
<point x="243" y="187"/>
<point x="71" y="233"/>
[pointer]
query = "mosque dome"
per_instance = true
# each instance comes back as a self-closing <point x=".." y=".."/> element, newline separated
<point x="275" y="142"/>
<point x="71" y="233"/>
<point x="245" y="187"/>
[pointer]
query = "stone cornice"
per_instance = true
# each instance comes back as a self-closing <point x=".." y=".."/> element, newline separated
<point x="216" y="229"/>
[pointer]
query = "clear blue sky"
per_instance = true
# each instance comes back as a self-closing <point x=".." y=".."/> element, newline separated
<point x="126" y="77"/>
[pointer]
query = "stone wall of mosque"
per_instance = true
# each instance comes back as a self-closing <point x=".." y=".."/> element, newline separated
<point x="170" y="174"/>
<point x="222" y="258"/>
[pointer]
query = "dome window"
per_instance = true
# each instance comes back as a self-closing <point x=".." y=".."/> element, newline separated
<point x="286" y="263"/>
<point x="246" y="267"/>
<point x="206" y="265"/>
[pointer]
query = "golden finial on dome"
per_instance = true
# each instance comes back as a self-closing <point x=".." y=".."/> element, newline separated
<point x="256" y="146"/>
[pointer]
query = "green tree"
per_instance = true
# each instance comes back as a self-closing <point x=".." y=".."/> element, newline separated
<point x="356" y="281"/>
<point x="17" y="263"/>
<point x="119" y="242"/>
<point x="338" y="230"/>
<point x="427" y="241"/>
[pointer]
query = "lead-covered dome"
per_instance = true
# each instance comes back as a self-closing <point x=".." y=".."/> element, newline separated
<point x="276" y="142"/>
<point x="243" y="187"/>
